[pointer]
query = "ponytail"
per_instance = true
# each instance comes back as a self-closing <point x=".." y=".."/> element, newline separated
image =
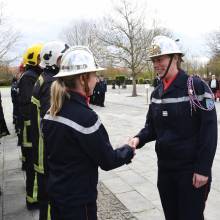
<point x="58" y="93"/>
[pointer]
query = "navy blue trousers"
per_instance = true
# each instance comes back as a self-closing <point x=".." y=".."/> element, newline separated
<point x="179" y="198"/>
<point x="82" y="212"/>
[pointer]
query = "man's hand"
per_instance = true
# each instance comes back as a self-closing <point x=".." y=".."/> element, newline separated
<point x="133" y="142"/>
<point x="199" y="180"/>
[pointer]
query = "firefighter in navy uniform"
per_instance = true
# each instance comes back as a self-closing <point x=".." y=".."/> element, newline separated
<point x="19" y="117"/>
<point x="25" y="86"/>
<point x="3" y="127"/>
<point x="14" y="100"/>
<point x="76" y="141"/>
<point x="182" y="119"/>
<point x="93" y="97"/>
<point x="101" y="90"/>
<point x="50" y="55"/>
<point x="14" y="96"/>
<point x="18" y="123"/>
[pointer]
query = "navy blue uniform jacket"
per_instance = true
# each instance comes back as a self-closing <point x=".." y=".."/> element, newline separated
<point x="185" y="140"/>
<point x="40" y="105"/>
<point x="77" y="144"/>
<point x="25" y="89"/>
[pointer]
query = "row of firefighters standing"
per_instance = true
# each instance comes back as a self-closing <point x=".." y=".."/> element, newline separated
<point x="31" y="100"/>
<point x="185" y="150"/>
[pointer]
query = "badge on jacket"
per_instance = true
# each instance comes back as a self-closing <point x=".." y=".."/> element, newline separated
<point x="209" y="103"/>
<point x="165" y="113"/>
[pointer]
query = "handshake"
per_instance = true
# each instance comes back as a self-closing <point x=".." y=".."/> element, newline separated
<point x="133" y="142"/>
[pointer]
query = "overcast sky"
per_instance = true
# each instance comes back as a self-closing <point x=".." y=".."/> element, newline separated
<point x="43" y="20"/>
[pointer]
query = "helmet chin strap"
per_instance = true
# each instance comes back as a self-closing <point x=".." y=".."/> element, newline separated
<point x="168" y="67"/>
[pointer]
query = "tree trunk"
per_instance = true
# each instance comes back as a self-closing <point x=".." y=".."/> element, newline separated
<point x="134" y="90"/>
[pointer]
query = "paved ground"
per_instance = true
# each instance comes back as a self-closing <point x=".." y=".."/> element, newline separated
<point x="123" y="193"/>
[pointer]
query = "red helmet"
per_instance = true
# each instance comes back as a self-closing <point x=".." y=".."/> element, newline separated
<point x="21" y="68"/>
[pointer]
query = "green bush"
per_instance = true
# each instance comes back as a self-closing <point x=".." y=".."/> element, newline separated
<point x="120" y="79"/>
<point x="128" y="81"/>
<point x="5" y="79"/>
<point x="5" y="83"/>
<point x="141" y="81"/>
<point x="110" y="81"/>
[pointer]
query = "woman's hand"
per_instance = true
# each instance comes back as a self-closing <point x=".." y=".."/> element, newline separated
<point x="199" y="180"/>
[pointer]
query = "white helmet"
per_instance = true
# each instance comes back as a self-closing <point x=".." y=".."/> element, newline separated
<point x="51" y="52"/>
<point x="77" y="60"/>
<point x="162" y="45"/>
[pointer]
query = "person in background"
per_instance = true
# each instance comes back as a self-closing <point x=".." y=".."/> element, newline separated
<point x="3" y="127"/>
<point x="76" y="141"/>
<point x="214" y="85"/>
<point x="182" y="120"/>
<point x="156" y="81"/>
<point x="14" y="96"/>
<point x="94" y="97"/>
<point x="98" y="96"/>
<point x="102" y="89"/>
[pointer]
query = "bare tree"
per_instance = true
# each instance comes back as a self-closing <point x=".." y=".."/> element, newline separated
<point x="213" y="42"/>
<point x="83" y="32"/>
<point x="79" y="33"/>
<point x="127" y="38"/>
<point x="8" y="38"/>
<point x="120" y="40"/>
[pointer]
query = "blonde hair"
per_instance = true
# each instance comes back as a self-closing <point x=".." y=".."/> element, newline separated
<point x="57" y="94"/>
<point x="59" y="91"/>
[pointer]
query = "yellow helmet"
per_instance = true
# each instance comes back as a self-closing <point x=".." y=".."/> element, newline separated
<point x="32" y="54"/>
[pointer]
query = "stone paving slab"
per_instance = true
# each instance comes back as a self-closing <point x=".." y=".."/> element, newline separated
<point x="12" y="181"/>
<point x="13" y="207"/>
<point x="133" y="185"/>
<point x="109" y="207"/>
<point x="124" y="116"/>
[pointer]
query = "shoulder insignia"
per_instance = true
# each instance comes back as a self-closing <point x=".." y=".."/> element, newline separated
<point x="210" y="103"/>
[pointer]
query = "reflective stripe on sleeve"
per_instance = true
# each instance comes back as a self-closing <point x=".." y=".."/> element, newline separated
<point x="74" y="125"/>
<point x="180" y="99"/>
